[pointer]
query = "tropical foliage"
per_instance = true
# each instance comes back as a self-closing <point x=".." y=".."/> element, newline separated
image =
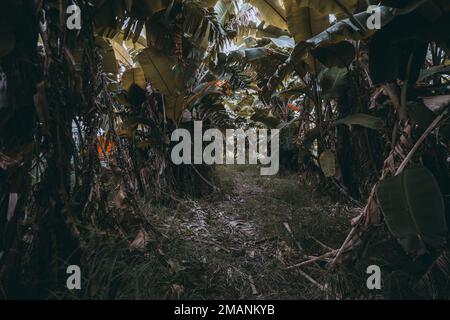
<point x="86" y="115"/>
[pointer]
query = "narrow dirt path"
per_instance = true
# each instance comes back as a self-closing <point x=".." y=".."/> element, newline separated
<point x="239" y="242"/>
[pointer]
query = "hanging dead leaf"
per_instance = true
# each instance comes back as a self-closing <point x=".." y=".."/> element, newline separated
<point x="109" y="61"/>
<point x="119" y="199"/>
<point x="293" y="107"/>
<point x="40" y="103"/>
<point x="437" y="103"/>
<point x="12" y="205"/>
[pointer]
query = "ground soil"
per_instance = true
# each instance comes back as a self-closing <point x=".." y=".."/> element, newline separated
<point x="241" y="241"/>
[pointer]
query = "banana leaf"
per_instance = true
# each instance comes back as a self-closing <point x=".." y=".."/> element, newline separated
<point x="133" y="76"/>
<point x="364" y="120"/>
<point x="333" y="82"/>
<point x="326" y="7"/>
<point x="272" y="12"/>
<point x="414" y="210"/>
<point x="159" y="71"/>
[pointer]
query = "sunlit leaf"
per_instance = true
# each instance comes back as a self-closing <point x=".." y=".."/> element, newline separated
<point x="272" y="12"/>
<point x="133" y="76"/>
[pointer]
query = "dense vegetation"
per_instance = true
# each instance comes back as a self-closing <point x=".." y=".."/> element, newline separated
<point x="86" y="117"/>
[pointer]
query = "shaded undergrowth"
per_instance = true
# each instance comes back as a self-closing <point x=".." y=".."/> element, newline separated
<point x="241" y="242"/>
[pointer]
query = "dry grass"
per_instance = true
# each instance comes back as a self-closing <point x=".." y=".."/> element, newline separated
<point x="234" y="244"/>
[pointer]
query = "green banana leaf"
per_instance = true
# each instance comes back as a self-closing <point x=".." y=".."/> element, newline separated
<point x="333" y="82"/>
<point x="159" y="71"/>
<point x="272" y="12"/>
<point x="413" y="207"/>
<point x="362" y="119"/>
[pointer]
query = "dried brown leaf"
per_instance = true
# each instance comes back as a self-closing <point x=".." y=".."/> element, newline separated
<point x="437" y="103"/>
<point x="119" y="199"/>
<point x="140" y="241"/>
<point x="12" y="205"/>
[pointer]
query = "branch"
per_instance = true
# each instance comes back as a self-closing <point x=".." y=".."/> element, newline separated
<point x="432" y="126"/>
